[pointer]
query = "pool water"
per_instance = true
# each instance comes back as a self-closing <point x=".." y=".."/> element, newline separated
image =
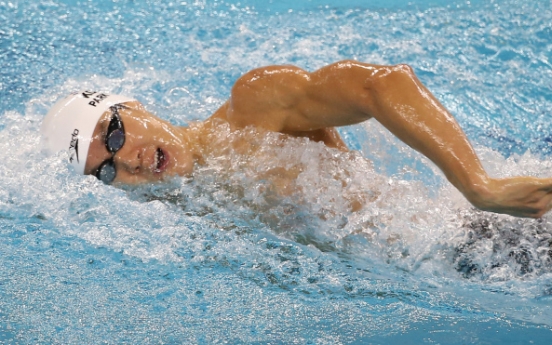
<point x="221" y="257"/>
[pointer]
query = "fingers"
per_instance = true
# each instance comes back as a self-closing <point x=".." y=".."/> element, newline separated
<point x="522" y="196"/>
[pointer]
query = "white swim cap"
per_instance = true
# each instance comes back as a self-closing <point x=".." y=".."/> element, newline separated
<point x="70" y="123"/>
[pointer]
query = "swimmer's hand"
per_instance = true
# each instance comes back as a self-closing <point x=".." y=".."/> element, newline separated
<point x="517" y="196"/>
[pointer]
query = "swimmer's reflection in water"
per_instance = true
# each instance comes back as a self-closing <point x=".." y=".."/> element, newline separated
<point x="116" y="139"/>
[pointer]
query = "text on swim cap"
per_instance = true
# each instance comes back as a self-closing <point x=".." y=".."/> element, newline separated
<point x="74" y="146"/>
<point x="96" y="98"/>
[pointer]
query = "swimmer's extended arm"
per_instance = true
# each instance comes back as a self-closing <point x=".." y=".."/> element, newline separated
<point x="288" y="99"/>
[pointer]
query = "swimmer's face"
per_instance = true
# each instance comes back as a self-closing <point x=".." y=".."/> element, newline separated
<point x="153" y="149"/>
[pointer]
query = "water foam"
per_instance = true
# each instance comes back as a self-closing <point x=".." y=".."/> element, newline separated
<point x="416" y="249"/>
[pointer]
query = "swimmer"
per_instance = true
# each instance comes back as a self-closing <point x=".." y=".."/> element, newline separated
<point x="114" y="138"/>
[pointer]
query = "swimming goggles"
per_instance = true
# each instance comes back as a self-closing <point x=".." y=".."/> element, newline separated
<point x="114" y="141"/>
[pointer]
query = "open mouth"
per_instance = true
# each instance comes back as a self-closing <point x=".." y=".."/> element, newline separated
<point x="161" y="161"/>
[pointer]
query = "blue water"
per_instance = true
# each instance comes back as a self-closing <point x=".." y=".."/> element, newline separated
<point x="218" y="258"/>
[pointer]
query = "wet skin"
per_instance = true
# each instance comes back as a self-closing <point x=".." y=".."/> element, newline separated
<point x="290" y="100"/>
<point x="153" y="150"/>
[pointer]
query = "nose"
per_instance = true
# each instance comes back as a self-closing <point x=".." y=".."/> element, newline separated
<point x="129" y="160"/>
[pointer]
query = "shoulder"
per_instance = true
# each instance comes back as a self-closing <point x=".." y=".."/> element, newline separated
<point x="265" y="97"/>
<point x="274" y="71"/>
<point x="271" y="81"/>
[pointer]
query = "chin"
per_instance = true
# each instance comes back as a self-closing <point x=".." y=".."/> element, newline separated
<point x="184" y="166"/>
<point x="185" y="171"/>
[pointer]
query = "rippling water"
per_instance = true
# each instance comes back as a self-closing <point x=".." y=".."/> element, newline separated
<point x="222" y="257"/>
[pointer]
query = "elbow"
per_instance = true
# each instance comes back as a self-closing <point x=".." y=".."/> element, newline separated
<point x="374" y="75"/>
<point x="385" y="82"/>
<point x="394" y="76"/>
<point x="389" y="77"/>
<point x="403" y="69"/>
